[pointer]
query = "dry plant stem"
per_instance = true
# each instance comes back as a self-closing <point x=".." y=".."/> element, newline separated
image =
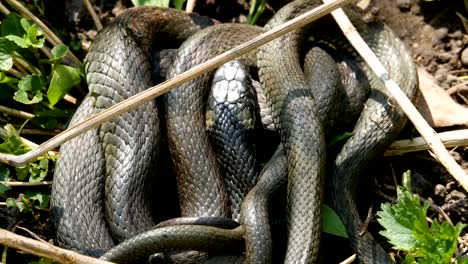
<point x="19" y="61"/>
<point x="4" y="10"/>
<point x="457" y="88"/>
<point x="152" y="92"/>
<point x="190" y="6"/>
<point x="450" y="139"/>
<point x="46" y="52"/>
<point x="26" y="184"/>
<point x="349" y="260"/>
<point x="50" y="36"/>
<point x="20" y="67"/>
<point x="14" y="112"/>
<point x="30" y="144"/>
<point x="365" y="225"/>
<point x="93" y="14"/>
<point x="429" y="135"/>
<point x="16" y="73"/>
<point x="30" y="233"/>
<point x="45" y="250"/>
<point x="437" y="209"/>
<point x="30" y="131"/>
<point x="70" y="99"/>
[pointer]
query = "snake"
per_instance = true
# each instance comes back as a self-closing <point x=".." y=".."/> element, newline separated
<point x="99" y="197"/>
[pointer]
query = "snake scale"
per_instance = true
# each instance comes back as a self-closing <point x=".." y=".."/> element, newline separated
<point x="104" y="179"/>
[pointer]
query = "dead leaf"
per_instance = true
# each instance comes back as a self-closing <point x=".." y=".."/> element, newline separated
<point x="436" y="105"/>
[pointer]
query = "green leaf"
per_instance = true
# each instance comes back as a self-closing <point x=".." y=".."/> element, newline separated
<point x="63" y="79"/>
<point x="178" y="4"/>
<point x="28" y="35"/>
<point x="462" y="260"/>
<point x="4" y="188"/>
<point x="38" y="172"/>
<point x="407" y="229"/>
<point x="11" y="25"/>
<point x="25" y="24"/>
<point x="22" y="172"/>
<point x="6" y="79"/>
<point x="4" y="173"/>
<point x="31" y="83"/>
<point x="34" y="37"/>
<point x="339" y="138"/>
<point x="160" y="3"/>
<point x="12" y="142"/>
<point x="23" y="97"/>
<point x="43" y="199"/>
<point x="59" y="51"/>
<point x="6" y="59"/>
<point x="21" y="42"/>
<point x="11" y="202"/>
<point x="331" y="223"/>
<point x="402" y="220"/>
<point x="406" y="182"/>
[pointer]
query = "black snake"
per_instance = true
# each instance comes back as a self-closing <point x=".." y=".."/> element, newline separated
<point x="104" y="179"/>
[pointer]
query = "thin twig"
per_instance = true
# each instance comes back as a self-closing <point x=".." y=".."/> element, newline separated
<point x="50" y="36"/>
<point x="93" y="14"/>
<point x="26" y="184"/>
<point x="4" y="10"/>
<point x="365" y="225"/>
<point x="21" y="69"/>
<point x="16" y="73"/>
<point x="70" y="99"/>
<point x="30" y="131"/>
<point x="437" y="209"/>
<point x="458" y="71"/>
<point x="31" y="233"/>
<point x="14" y="112"/>
<point x="349" y="260"/>
<point x="152" y="92"/>
<point x="429" y="135"/>
<point x="46" y="250"/>
<point x="450" y="139"/>
<point x="46" y="52"/>
<point x="24" y="63"/>
<point x="457" y="88"/>
<point x="190" y="6"/>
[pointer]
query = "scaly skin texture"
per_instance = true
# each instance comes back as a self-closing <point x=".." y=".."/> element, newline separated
<point x="230" y="121"/>
<point x="379" y="123"/>
<point x="117" y="159"/>
<point x="98" y="163"/>
<point x="296" y="118"/>
<point x="201" y="188"/>
<point x="182" y="237"/>
<point x="254" y="213"/>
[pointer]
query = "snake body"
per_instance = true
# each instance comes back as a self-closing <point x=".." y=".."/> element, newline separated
<point x="108" y="202"/>
<point x="231" y="122"/>
<point x="111" y="160"/>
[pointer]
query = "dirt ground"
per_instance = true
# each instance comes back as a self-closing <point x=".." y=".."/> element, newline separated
<point x="437" y="38"/>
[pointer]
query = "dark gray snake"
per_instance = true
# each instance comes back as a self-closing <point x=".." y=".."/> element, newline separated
<point x="103" y="179"/>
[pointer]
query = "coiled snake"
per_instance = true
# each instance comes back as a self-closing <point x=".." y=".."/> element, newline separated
<point x="104" y="179"/>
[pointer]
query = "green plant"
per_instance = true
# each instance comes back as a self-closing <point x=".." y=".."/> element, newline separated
<point x="256" y="10"/>
<point x="33" y="82"/>
<point x="178" y="4"/>
<point x="407" y="230"/>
